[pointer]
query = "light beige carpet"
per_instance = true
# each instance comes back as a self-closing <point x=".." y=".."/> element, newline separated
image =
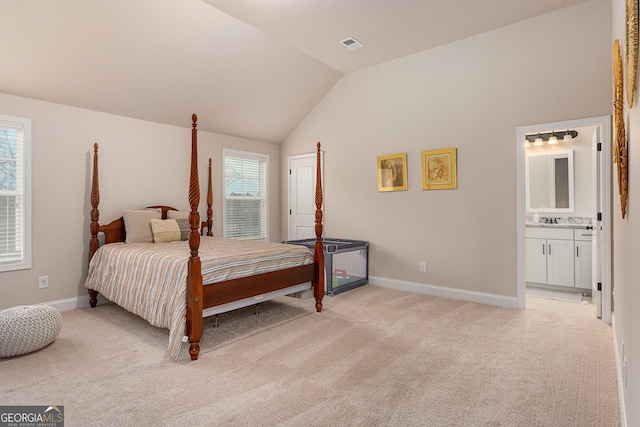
<point x="554" y="294"/>
<point x="373" y="357"/>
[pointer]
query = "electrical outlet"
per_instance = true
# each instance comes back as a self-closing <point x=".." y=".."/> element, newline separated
<point x="423" y="267"/>
<point x="43" y="282"/>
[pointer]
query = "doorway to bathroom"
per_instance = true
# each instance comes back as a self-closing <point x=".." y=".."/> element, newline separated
<point x="589" y="212"/>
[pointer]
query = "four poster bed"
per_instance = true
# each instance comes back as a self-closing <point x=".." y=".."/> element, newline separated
<point x="175" y="286"/>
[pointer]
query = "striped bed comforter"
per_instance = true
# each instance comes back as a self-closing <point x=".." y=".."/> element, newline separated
<point x="150" y="279"/>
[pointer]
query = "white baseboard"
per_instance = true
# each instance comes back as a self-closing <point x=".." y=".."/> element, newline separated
<point x="617" y="355"/>
<point x="420" y="288"/>
<point x="69" y="303"/>
<point x="442" y="291"/>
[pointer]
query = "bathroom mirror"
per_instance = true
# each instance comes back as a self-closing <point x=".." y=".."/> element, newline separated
<point x="549" y="181"/>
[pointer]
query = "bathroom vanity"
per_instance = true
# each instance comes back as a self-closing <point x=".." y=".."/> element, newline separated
<point x="559" y="254"/>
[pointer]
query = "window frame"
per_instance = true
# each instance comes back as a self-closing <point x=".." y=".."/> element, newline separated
<point x="263" y="158"/>
<point x="25" y="190"/>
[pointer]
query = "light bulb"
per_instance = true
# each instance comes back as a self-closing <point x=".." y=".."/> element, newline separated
<point x="567" y="138"/>
<point x="538" y="142"/>
<point x="553" y="140"/>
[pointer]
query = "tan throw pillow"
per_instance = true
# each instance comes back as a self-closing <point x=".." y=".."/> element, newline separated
<point x="178" y="215"/>
<point x="166" y="230"/>
<point x="137" y="224"/>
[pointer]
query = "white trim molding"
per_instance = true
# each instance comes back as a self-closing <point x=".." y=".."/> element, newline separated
<point x="621" y="387"/>
<point x="69" y="303"/>
<point x="445" y="292"/>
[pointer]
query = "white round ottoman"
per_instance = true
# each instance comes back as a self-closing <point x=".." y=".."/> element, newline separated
<point x="27" y="328"/>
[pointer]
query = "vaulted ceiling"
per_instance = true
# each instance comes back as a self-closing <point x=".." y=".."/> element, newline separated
<point x="248" y="68"/>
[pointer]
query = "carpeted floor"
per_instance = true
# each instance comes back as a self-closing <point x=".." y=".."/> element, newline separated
<point x="573" y="307"/>
<point x="554" y="294"/>
<point x="373" y="357"/>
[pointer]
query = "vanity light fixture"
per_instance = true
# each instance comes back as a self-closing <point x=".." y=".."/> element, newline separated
<point x="568" y="137"/>
<point x="553" y="137"/>
<point x="538" y="141"/>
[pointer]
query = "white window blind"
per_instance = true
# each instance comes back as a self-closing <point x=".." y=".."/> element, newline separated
<point x="15" y="241"/>
<point x="245" y="188"/>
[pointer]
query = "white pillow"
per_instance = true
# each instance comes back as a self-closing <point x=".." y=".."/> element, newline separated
<point x="137" y="224"/>
<point x="178" y="214"/>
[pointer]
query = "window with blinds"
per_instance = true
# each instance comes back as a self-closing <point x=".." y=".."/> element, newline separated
<point x="245" y="189"/>
<point x="15" y="242"/>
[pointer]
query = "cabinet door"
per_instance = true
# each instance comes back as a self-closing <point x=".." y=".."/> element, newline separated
<point x="583" y="253"/>
<point x="560" y="265"/>
<point x="536" y="260"/>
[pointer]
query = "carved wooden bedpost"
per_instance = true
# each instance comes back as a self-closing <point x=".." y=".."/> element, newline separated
<point x="194" y="273"/>
<point x="318" y="257"/>
<point x="209" y="204"/>
<point x="94" y="244"/>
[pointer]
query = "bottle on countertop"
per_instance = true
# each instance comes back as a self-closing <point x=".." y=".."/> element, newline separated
<point x="536" y="218"/>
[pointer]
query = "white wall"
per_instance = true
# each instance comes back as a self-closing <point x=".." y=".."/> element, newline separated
<point x="471" y="95"/>
<point x="141" y="164"/>
<point x="626" y="250"/>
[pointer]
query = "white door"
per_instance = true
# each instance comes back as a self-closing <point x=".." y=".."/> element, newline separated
<point x="302" y="196"/>
<point x="597" y="255"/>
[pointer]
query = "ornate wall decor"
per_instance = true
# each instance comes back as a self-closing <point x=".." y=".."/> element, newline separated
<point x="439" y="169"/>
<point x="631" y="49"/>
<point x="619" y="133"/>
<point x="392" y="172"/>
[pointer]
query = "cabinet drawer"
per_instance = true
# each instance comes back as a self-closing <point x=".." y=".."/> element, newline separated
<point x="549" y="233"/>
<point x="583" y="234"/>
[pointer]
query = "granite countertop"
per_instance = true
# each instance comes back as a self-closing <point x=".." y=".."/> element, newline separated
<point x="545" y="225"/>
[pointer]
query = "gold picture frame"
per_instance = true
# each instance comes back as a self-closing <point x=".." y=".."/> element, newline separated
<point x="631" y="49"/>
<point x="439" y="170"/>
<point x="392" y="172"/>
<point x="619" y="131"/>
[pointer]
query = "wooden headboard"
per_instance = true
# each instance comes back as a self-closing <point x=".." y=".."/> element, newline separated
<point x="115" y="232"/>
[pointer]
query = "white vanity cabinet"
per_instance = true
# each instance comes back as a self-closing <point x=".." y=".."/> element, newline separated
<point x="536" y="260"/>
<point x="549" y="256"/>
<point x="583" y="253"/>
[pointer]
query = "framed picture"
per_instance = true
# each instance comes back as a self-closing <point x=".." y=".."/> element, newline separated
<point x="392" y="172"/>
<point x="439" y="169"/>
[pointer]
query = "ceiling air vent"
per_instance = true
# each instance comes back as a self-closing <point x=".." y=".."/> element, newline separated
<point x="352" y="43"/>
